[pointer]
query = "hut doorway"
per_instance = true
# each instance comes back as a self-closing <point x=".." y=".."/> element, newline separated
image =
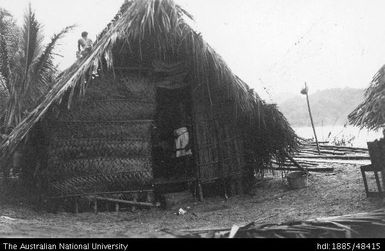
<point x="172" y="141"/>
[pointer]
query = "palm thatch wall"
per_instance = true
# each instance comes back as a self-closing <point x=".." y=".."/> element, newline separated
<point x="103" y="143"/>
<point x="371" y="112"/>
<point x="154" y="36"/>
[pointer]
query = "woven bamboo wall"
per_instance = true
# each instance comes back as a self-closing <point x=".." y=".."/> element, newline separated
<point x="219" y="141"/>
<point x="103" y="143"/>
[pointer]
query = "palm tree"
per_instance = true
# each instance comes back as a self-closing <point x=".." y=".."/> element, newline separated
<point x="9" y="39"/>
<point x="28" y="71"/>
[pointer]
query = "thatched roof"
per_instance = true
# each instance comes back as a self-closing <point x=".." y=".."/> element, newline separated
<point x="159" y="29"/>
<point x="371" y="112"/>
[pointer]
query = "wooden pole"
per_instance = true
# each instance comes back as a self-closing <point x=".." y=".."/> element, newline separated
<point x="131" y="203"/>
<point x="95" y="206"/>
<point x="194" y="139"/>
<point x="219" y="144"/>
<point x="76" y="205"/>
<point x="311" y="118"/>
<point x="320" y="170"/>
<point x="296" y="163"/>
<point x="220" y="154"/>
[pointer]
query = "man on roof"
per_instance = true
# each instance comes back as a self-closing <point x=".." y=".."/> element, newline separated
<point x="84" y="45"/>
<point x="84" y="48"/>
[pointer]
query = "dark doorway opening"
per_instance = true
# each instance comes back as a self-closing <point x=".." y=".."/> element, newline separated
<point x="173" y="165"/>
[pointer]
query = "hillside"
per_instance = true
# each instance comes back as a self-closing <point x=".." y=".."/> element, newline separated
<point x="329" y="107"/>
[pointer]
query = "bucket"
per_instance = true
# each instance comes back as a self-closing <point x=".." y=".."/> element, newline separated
<point x="297" y="180"/>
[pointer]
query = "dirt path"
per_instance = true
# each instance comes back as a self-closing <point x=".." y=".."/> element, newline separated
<point x="328" y="194"/>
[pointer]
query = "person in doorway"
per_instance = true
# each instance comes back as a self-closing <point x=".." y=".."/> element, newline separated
<point x="182" y="142"/>
<point x="182" y="139"/>
<point x="183" y="151"/>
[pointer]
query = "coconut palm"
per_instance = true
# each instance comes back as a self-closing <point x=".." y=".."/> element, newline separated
<point x="9" y="38"/>
<point x="27" y="68"/>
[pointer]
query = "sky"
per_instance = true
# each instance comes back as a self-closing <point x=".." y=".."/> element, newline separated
<point x="274" y="45"/>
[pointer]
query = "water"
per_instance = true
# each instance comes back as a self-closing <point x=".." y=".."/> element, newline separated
<point x="353" y="135"/>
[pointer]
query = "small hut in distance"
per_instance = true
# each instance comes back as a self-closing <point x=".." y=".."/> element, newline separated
<point x="370" y="113"/>
<point x="114" y="133"/>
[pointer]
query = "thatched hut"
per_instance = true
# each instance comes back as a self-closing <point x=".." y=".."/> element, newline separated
<point x="370" y="113"/>
<point x="113" y="132"/>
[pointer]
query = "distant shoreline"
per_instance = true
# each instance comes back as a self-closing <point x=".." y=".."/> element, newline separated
<point x="359" y="137"/>
<point x="316" y="125"/>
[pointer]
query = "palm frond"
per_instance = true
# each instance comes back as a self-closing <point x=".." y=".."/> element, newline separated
<point x="32" y="39"/>
<point x="43" y="67"/>
<point x="8" y="43"/>
<point x="3" y="98"/>
<point x="361" y="225"/>
<point x="18" y="78"/>
<point x="4" y="60"/>
<point x="31" y="48"/>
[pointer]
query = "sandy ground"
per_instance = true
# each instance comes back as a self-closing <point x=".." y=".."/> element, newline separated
<point x="328" y="194"/>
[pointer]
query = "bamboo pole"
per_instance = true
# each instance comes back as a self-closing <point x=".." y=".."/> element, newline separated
<point x="339" y="148"/>
<point x="310" y="115"/>
<point x="76" y="205"/>
<point x="332" y="157"/>
<point x="220" y="154"/>
<point x="320" y="170"/>
<point x="194" y="139"/>
<point x="131" y="203"/>
<point x="296" y="164"/>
